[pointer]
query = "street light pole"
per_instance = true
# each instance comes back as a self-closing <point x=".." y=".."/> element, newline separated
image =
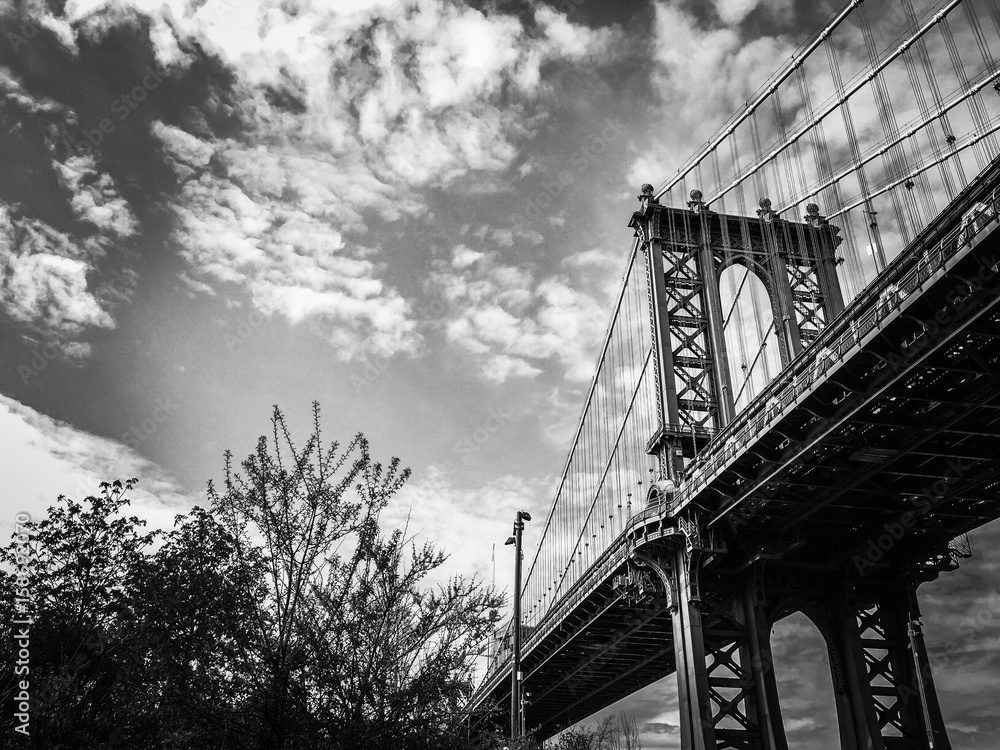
<point x="515" y="672"/>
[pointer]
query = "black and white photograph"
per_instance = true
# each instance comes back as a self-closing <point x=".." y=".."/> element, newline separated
<point x="500" y="374"/>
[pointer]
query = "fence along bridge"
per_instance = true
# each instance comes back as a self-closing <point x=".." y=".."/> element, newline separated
<point x="791" y="412"/>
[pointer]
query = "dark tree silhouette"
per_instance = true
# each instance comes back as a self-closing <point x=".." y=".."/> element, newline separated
<point x="281" y="617"/>
<point x="355" y="650"/>
<point x="79" y="564"/>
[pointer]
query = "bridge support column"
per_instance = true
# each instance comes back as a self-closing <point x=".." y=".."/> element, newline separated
<point x="725" y="671"/>
<point x="885" y="693"/>
<point x="782" y="305"/>
<point x="765" y="703"/>
<point x="694" y="700"/>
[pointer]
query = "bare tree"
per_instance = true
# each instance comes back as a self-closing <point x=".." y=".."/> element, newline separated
<point x="610" y="733"/>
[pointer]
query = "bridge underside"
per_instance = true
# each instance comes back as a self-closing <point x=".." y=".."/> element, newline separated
<point x="840" y="509"/>
<point x="607" y="649"/>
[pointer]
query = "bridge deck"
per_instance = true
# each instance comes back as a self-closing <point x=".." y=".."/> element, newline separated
<point x="890" y="422"/>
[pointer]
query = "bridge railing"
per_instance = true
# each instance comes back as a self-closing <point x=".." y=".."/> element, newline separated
<point x="876" y="303"/>
<point x="610" y="559"/>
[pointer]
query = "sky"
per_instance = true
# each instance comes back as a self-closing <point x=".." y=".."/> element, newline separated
<point x="413" y="213"/>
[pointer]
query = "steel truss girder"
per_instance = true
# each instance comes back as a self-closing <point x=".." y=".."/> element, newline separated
<point x="881" y="385"/>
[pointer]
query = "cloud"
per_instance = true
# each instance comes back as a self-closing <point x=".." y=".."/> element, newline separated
<point x="571" y="41"/>
<point x="95" y="199"/>
<point x="733" y="12"/>
<point x="291" y="262"/>
<point x="349" y="116"/>
<point x="512" y="323"/>
<point x="45" y="457"/>
<point x="701" y="76"/>
<point x="63" y="221"/>
<point x="44" y="272"/>
<point x="464" y="518"/>
<point x="50" y="290"/>
<point x="277" y="139"/>
<point x="659" y="727"/>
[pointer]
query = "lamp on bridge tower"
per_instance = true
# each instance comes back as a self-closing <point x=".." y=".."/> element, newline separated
<point x="516" y="704"/>
<point x="661" y="491"/>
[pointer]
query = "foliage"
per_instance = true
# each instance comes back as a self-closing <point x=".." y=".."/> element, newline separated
<point x="280" y="617"/>
<point x="611" y="733"/>
<point x="79" y="564"/>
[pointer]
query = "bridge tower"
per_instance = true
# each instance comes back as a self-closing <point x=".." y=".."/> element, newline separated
<point x="722" y="619"/>
<point x="686" y="252"/>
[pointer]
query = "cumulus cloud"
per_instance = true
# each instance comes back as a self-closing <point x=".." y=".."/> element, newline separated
<point x="50" y="290"/>
<point x="44" y="277"/>
<point x="302" y="130"/>
<point x="95" y="199"/>
<point x="50" y="258"/>
<point x="732" y="12"/>
<point x="292" y="263"/>
<point x="512" y="323"/>
<point x="421" y="97"/>
<point x="349" y="115"/>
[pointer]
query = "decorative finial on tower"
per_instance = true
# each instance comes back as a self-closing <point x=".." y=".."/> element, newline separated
<point x="813" y="217"/>
<point x="646" y="197"/>
<point x="764" y="212"/>
<point x="696" y="204"/>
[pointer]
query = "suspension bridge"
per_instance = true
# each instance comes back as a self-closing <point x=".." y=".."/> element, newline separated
<point x="797" y="404"/>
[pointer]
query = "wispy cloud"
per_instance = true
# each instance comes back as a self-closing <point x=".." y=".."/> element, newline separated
<point x="45" y="457"/>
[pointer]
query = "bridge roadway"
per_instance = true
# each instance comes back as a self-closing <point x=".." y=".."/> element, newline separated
<point x="889" y="422"/>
